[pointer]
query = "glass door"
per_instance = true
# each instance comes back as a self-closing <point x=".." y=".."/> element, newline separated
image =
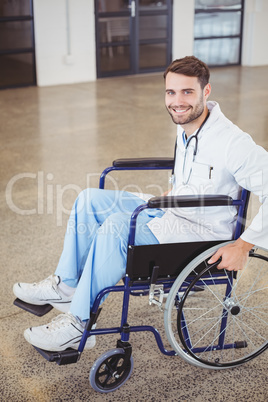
<point x="132" y="36"/>
<point x="114" y="26"/>
<point x="17" y="53"/>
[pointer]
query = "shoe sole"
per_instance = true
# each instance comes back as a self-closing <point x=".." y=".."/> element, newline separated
<point x="89" y="344"/>
<point x="63" y="307"/>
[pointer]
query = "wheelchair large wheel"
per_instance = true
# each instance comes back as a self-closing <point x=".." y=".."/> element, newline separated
<point x="216" y="318"/>
<point x="105" y="375"/>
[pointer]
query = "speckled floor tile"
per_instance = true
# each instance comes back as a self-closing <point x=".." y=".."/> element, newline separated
<point x="55" y="141"/>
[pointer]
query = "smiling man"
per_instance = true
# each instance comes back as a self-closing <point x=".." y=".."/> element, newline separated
<point x="213" y="156"/>
<point x="186" y="100"/>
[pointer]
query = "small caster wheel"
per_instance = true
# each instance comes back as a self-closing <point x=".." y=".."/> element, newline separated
<point x="105" y="375"/>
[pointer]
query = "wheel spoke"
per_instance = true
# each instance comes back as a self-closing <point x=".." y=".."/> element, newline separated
<point x="227" y="325"/>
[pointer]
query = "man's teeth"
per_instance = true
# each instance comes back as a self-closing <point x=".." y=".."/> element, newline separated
<point x="180" y="110"/>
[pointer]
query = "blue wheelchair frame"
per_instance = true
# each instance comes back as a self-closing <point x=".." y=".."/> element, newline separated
<point x="129" y="287"/>
<point x="133" y="284"/>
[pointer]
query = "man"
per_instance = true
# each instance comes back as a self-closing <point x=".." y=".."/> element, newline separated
<point x="213" y="156"/>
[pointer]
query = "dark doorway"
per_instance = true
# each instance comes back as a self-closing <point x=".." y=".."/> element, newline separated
<point x="17" y="55"/>
<point x="133" y="36"/>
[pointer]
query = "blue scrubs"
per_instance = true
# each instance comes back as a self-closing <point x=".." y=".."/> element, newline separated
<point x="95" y="247"/>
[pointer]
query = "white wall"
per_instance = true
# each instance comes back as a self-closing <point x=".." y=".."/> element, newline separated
<point x="59" y="61"/>
<point x="183" y="28"/>
<point x="255" y="33"/>
<point x="51" y="39"/>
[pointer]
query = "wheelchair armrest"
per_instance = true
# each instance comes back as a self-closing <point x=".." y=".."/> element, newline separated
<point x="189" y="201"/>
<point x="184" y="201"/>
<point x="143" y="162"/>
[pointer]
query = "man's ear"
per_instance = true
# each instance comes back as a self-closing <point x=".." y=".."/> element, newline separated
<point x="207" y="90"/>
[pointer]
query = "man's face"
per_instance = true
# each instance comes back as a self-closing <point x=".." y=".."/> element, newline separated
<point x="185" y="100"/>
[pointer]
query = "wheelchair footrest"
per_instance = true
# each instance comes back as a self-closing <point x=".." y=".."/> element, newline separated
<point x="33" y="308"/>
<point x="67" y="356"/>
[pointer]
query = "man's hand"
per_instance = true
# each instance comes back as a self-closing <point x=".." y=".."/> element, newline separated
<point x="234" y="256"/>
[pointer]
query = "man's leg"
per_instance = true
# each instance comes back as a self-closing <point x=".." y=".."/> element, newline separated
<point x="106" y="261"/>
<point x="91" y="208"/>
<point x="105" y="266"/>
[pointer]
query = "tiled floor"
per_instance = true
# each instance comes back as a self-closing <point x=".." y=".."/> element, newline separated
<point x="54" y="142"/>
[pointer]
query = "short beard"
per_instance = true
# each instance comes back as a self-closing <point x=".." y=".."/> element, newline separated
<point x="195" y="114"/>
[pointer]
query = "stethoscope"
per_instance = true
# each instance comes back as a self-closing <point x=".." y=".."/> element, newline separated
<point x="195" y="136"/>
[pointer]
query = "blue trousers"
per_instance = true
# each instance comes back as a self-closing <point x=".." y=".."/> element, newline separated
<point x="95" y="246"/>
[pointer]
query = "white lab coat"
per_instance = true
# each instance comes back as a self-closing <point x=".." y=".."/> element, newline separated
<point x="226" y="160"/>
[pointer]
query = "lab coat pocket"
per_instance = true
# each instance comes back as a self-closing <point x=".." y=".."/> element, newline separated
<point x="202" y="170"/>
<point x="202" y="175"/>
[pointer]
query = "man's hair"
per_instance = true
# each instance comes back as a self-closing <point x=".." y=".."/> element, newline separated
<point x="190" y="66"/>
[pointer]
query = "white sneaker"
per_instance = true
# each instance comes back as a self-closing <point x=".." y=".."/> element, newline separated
<point x="44" y="292"/>
<point x="64" y="331"/>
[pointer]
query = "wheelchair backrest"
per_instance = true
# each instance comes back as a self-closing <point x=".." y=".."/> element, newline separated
<point x="171" y="259"/>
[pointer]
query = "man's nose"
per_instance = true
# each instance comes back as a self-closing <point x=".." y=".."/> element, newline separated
<point x="178" y="100"/>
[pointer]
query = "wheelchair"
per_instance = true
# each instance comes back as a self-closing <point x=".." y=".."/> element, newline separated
<point x="213" y="318"/>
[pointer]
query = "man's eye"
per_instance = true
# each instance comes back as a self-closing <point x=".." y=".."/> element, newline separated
<point x="170" y="92"/>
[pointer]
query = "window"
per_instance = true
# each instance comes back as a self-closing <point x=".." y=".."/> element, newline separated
<point x="218" y="31"/>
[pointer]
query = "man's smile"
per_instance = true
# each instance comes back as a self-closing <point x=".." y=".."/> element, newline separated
<point x="179" y="110"/>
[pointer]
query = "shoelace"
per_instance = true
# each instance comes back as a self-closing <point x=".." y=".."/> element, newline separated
<point x="50" y="281"/>
<point x="61" y="321"/>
